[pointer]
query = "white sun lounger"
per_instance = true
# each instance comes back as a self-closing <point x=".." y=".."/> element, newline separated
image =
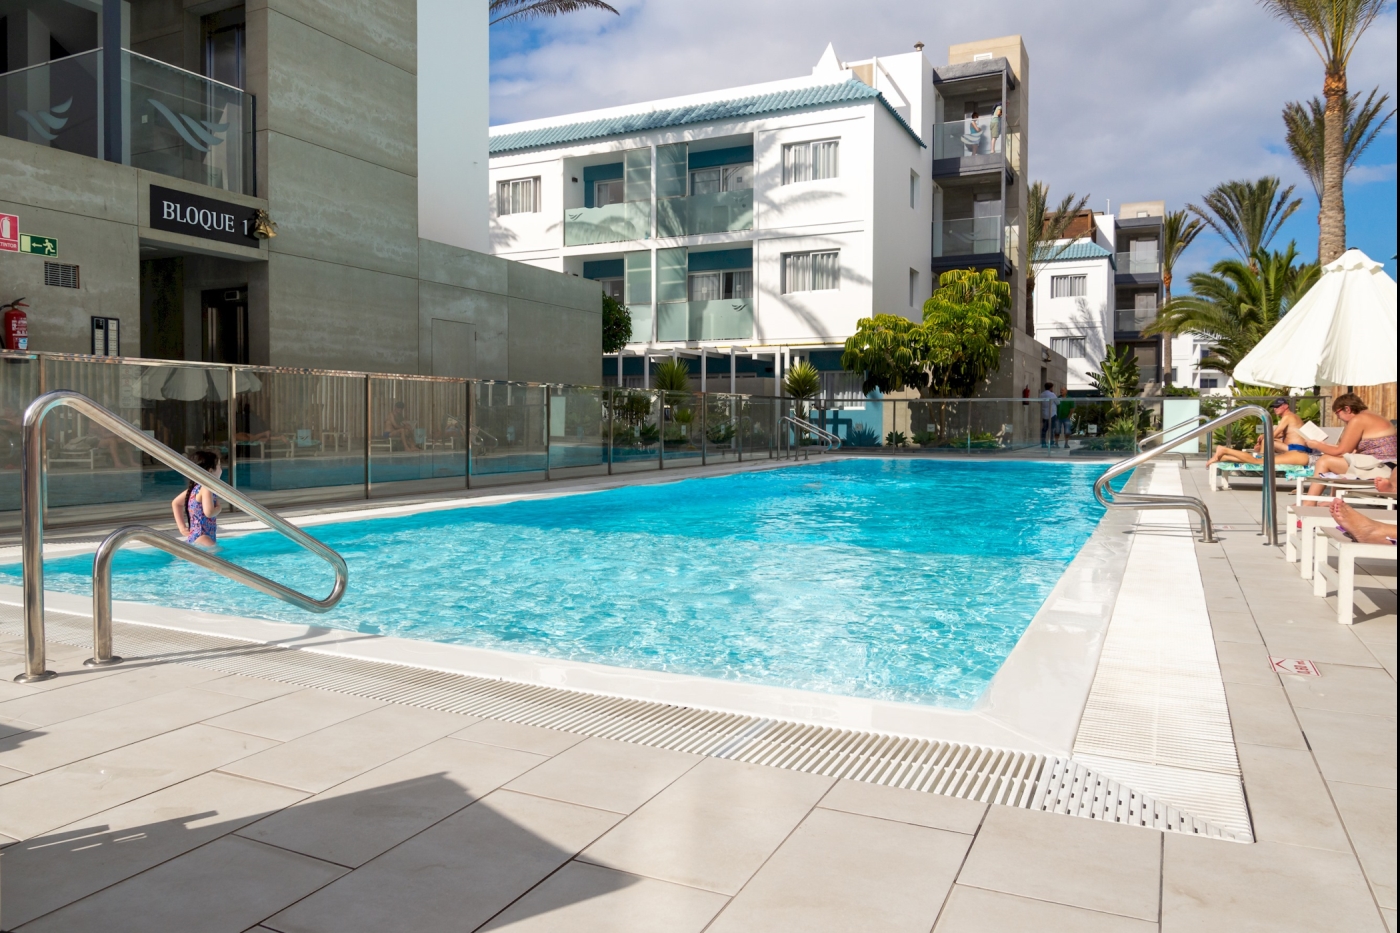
<point x="1347" y="553"/>
<point x="1349" y="489"/>
<point x="1303" y="522"/>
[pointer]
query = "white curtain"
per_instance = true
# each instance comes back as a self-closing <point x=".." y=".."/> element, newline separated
<point x="705" y="286"/>
<point x="809" y="161"/>
<point x="516" y="197"/>
<point x="810" y="272"/>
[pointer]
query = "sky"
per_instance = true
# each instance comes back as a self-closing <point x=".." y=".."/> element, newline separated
<point x="1130" y="100"/>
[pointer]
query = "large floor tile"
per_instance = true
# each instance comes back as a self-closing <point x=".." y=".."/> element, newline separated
<point x="1210" y="885"/>
<point x="713" y="827"/>
<point x="1351" y="748"/>
<point x="1099" y="866"/>
<point x="296" y="714"/>
<point x="223" y="887"/>
<point x="1369" y="815"/>
<point x="513" y="735"/>
<point x="65" y="661"/>
<point x="1234" y="626"/>
<point x="71" y="862"/>
<point x="456" y="875"/>
<point x="1261" y="715"/>
<point x="353" y="822"/>
<point x="75" y="739"/>
<point x="61" y="796"/>
<point x="906" y="806"/>
<point x="1245" y="663"/>
<point x="842" y="871"/>
<point x="102" y="693"/>
<point x="1344" y="689"/>
<point x="974" y="910"/>
<point x="607" y="775"/>
<point x="1288" y="800"/>
<point x="255" y="688"/>
<point x="583" y="898"/>
<point x="337" y="753"/>
<point x="1334" y="645"/>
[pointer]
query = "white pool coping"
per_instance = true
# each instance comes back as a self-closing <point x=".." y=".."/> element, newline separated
<point x="1033" y="703"/>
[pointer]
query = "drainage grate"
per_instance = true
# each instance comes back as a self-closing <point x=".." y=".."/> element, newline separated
<point x="988" y="775"/>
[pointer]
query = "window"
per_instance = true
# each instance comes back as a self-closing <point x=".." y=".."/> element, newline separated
<point x="811" y="272"/>
<point x="61" y="274"/>
<point x="518" y="196"/>
<point x="811" y="161"/>
<point x="719" y="286"/>
<point x="913" y="286"/>
<point x="1210" y="382"/>
<point x="1069" y="286"/>
<point x="914" y="190"/>
<point x="1071" y="348"/>
<point x="721" y="178"/>
<point x="612" y="288"/>
<point x="1145" y="301"/>
<point x="608" y="192"/>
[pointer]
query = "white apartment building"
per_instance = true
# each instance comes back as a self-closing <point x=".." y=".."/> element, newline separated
<point x="753" y="226"/>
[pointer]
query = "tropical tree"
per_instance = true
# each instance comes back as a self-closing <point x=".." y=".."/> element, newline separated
<point x="617" y="325"/>
<point x="503" y="10"/>
<point x="1236" y="303"/>
<point x="803" y="382"/>
<point x="1247" y="214"/>
<point x="1044" y="227"/>
<point x="1118" y="376"/>
<point x="1178" y="230"/>
<point x="890" y="351"/>
<point x="673" y="376"/>
<point x="1332" y="28"/>
<point x="1306" y="126"/>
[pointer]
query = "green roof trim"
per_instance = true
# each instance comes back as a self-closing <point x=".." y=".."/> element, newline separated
<point x="627" y="124"/>
<point x="1078" y="250"/>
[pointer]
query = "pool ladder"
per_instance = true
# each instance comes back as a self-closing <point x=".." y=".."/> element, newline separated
<point x="829" y="440"/>
<point x="33" y="490"/>
<point x="1143" y="500"/>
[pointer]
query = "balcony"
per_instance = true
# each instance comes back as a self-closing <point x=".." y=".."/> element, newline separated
<point x="959" y="149"/>
<point x="612" y="223"/>
<point x="718" y="212"/>
<point x="173" y="122"/>
<point x="970" y="236"/>
<point x="725" y="319"/>
<point x="1133" y="320"/>
<point x="1137" y="264"/>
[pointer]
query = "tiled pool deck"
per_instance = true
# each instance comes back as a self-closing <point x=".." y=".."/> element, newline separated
<point x="164" y="796"/>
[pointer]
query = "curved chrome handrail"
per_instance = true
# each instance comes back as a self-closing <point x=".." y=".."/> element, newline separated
<point x="832" y="441"/>
<point x="1142" y="500"/>
<point x="1139" y="445"/>
<point x="32" y="535"/>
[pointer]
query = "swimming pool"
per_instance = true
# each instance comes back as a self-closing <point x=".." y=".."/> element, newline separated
<point x="902" y="580"/>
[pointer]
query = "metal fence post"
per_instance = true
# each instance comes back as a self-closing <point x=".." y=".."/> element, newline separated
<point x="548" y="430"/>
<point x="233" y="427"/>
<point x="369" y="431"/>
<point x="612" y="415"/>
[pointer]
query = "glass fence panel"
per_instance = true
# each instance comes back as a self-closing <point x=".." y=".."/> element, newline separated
<point x="727" y="319"/>
<point x="968" y="236"/>
<point x="1134" y="320"/>
<point x="722" y="427"/>
<point x="419" y="435"/>
<point x="681" y="430"/>
<point x="578" y="442"/>
<point x="719" y="212"/>
<point x="94" y="476"/>
<point x="1137" y="264"/>
<point x="963" y="139"/>
<point x="859" y="423"/>
<point x="19" y="385"/>
<point x="299" y="436"/>
<point x="55" y="104"/>
<point x="758" y="427"/>
<point x="636" y="430"/>
<point x="509" y="440"/>
<point x="186" y="125"/>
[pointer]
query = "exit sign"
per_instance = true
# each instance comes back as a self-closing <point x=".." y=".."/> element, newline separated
<point x="43" y="245"/>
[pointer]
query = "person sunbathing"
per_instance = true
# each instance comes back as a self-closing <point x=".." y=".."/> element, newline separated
<point x="1363" y="529"/>
<point x="1365" y="450"/>
<point x="1290" y="447"/>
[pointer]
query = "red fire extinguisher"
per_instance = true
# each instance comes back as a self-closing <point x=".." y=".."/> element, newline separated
<point x="16" y="325"/>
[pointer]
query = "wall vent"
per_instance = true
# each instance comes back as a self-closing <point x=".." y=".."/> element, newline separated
<point x="61" y="274"/>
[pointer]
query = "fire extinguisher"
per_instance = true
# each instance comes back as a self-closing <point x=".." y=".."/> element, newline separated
<point x="15" y="331"/>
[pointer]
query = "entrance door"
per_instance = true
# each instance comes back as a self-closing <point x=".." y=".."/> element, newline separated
<point x="226" y="325"/>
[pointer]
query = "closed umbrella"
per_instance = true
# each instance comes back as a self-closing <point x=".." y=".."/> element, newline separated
<point x="1341" y="333"/>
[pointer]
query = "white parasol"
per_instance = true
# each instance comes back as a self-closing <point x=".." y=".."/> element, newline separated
<point x="1341" y="333"/>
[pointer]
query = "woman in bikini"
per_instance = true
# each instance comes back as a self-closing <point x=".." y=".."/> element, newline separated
<point x="1366" y="448"/>
<point x="197" y="508"/>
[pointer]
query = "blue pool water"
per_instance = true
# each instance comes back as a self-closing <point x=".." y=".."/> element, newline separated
<point x="906" y="580"/>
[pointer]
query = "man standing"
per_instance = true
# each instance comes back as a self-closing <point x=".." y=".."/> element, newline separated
<point x="1048" y="398"/>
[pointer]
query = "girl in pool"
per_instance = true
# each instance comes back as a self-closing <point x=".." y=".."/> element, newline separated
<point x="196" y="509"/>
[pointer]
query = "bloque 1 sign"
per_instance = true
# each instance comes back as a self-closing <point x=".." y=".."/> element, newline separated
<point x="207" y="218"/>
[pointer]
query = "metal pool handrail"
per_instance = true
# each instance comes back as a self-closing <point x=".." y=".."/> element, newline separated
<point x="32" y="535"/>
<point x="1141" y="500"/>
<point x="832" y="441"/>
<point x="1159" y="434"/>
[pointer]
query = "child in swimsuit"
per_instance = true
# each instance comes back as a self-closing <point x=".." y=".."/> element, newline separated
<point x="196" y="509"/>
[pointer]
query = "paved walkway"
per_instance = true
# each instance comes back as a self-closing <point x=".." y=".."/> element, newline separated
<point x="161" y="796"/>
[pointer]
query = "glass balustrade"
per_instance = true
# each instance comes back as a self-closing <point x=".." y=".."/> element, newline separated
<point x="968" y="236"/>
<point x="964" y="139"/>
<point x="55" y="104"/>
<point x="716" y="212"/>
<point x="612" y="223"/>
<point x="1133" y="320"/>
<point x="724" y="319"/>
<point x="1137" y="264"/>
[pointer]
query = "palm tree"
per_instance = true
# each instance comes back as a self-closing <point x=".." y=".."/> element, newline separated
<point x="1178" y="230"/>
<point x="1305" y="126"/>
<point x="1332" y="28"/>
<point x="1236" y="303"/>
<point x="1247" y="214"/>
<point x="503" y="10"/>
<point x="1043" y="229"/>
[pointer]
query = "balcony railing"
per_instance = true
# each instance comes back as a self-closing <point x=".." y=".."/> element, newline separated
<point x="957" y="139"/>
<point x="1131" y="264"/>
<point x="725" y="319"/>
<point x="612" y="223"/>
<point x="173" y="121"/>
<point x="969" y="236"/>
<point x="718" y="212"/>
<point x="1133" y="320"/>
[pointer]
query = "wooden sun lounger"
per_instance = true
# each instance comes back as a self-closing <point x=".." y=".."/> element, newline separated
<point x="1347" y="553"/>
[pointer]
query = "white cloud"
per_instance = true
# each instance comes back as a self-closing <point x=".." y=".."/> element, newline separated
<point x="1130" y="99"/>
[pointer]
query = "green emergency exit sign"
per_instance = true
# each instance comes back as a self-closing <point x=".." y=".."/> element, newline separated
<point x="43" y="245"/>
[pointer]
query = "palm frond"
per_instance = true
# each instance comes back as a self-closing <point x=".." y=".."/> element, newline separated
<point x="1332" y="27"/>
<point x="1247" y="214"/>
<point x="1305" y="133"/>
<point x="503" y="10"/>
<point x="1045" y="226"/>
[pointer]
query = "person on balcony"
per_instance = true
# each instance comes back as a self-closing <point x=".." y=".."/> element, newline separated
<point x="994" y="129"/>
<point x="972" y="134"/>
